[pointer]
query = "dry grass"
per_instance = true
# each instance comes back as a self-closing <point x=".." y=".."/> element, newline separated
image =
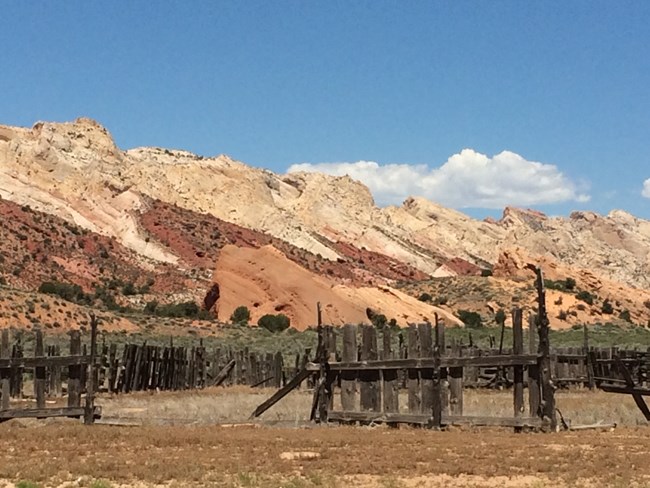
<point x="235" y="404"/>
<point x="344" y="456"/>
<point x="64" y="453"/>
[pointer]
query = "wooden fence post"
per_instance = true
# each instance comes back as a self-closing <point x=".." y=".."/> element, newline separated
<point x="439" y="391"/>
<point x="456" y="384"/>
<point x="5" y="374"/>
<point x="39" y="371"/>
<point x="391" y="385"/>
<point x="370" y="395"/>
<point x="348" y="378"/>
<point x="89" y="413"/>
<point x="74" y="372"/>
<point x="413" y="376"/>
<point x="518" y="375"/>
<point x="426" y="375"/>
<point x="548" y="389"/>
<point x="589" y="365"/>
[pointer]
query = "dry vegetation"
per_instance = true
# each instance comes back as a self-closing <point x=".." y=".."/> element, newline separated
<point x="341" y="456"/>
<point x="178" y="444"/>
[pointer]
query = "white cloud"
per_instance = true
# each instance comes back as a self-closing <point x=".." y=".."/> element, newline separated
<point x="646" y="188"/>
<point x="467" y="179"/>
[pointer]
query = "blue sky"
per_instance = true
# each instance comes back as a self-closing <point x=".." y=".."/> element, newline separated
<point x="406" y="85"/>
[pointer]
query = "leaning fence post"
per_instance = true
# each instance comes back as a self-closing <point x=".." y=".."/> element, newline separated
<point x="89" y="414"/>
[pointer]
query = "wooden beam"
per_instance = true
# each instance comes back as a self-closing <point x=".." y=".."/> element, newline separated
<point x="378" y="417"/>
<point x="638" y="398"/>
<point x="21" y="413"/>
<point x="44" y="361"/>
<point x="429" y="363"/>
<point x="302" y="375"/>
<point x="223" y="374"/>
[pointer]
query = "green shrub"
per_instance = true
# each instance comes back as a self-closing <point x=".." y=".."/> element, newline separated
<point x="274" y="323"/>
<point x="625" y="315"/>
<point x="129" y="289"/>
<point x="570" y="284"/>
<point x="586" y="297"/>
<point x="241" y="315"/>
<point x="500" y="316"/>
<point x="472" y="320"/>
<point x="486" y="272"/>
<point x="183" y="310"/>
<point x="379" y="321"/>
<point x="67" y="291"/>
<point x="425" y="297"/>
<point x="607" y="308"/>
<point x="441" y="300"/>
<point x="100" y="484"/>
<point x="27" y="484"/>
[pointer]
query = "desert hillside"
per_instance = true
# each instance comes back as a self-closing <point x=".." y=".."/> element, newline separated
<point x="172" y="223"/>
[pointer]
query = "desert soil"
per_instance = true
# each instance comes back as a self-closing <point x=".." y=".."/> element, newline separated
<point x="248" y="456"/>
<point x="205" y="439"/>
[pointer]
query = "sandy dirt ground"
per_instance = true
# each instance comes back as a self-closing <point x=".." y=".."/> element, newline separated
<point x="63" y="454"/>
<point x="204" y="438"/>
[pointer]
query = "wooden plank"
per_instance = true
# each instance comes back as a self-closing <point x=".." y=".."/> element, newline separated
<point x="428" y="363"/>
<point x="379" y="417"/>
<point x="534" y="392"/>
<point x="39" y="372"/>
<point x="638" y="398"/>
<point x="42" y="413"/>
<point x="440" y="391"/>
<point x="624" y="389"/>
<point x="369" y="379"/>
<point x="390" y="376"/>
<point x="456" y="385"/>
<point x="588" y="358"/>
<point x="348" y="377"/>
<point x="413" y="376"/>
<point x="74" y="371"/>
<point x="89" y="413"/>
<point x="223" y="374"/>
<point x="5" y="373"/>
<point x="282" y="392"/>
<point x="518" y="373"/>
<point x="426" y="375"/>
<point x="44" y="361"/>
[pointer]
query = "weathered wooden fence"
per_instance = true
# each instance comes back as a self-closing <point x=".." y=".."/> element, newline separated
<point x="364" y="386"/>
<point x="47" y="372"/>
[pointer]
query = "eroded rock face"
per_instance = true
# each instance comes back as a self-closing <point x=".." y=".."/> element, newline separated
<point x="74" y="170"/>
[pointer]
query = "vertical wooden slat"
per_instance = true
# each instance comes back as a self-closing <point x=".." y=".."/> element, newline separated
<point x="518" y="349"/>
<point x="89" y="412"/>
<point x="5" y="374"/>
<point x="413" y="378"/>
<point x="426" y="375"/>
<point x="440" y="400"/>
<point x="534" y="394"/>
<point x="443" y="373"/>
<point x="74" y="372"/>
<point x="39" y="372"/>
<point x="348" y="378"/>
<point x="369" y="390"/>
<point x="391" y="385"/>
<point x="456" y="384"/>
<point x="589" y="365"/>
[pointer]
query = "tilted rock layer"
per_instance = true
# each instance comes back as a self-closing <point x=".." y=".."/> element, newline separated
<point x="75" y="171"/>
